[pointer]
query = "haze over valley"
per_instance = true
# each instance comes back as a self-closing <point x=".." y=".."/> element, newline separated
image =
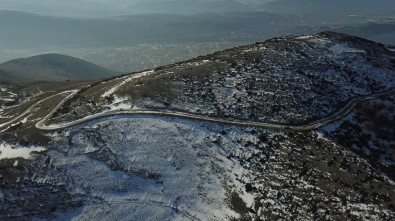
<point x="146" y="30"/>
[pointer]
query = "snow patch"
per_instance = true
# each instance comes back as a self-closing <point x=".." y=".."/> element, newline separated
<point x="304" y="37"/>
<point x="120" y="104"/>
<point x="24" y="120"/>
<point x="11" y="152"/>
<point x="128" y="79"/>
<point x="341" y="48"/>
<point x="320" y="41"/>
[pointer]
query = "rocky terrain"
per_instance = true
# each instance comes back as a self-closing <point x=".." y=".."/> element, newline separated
<point x="369" y="131"/>
<point x="288" y="80"/>
<point x="129" y="167"/>
<point x="134" y="166"/>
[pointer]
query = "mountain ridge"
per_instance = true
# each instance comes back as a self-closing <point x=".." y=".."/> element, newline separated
<point x="247" y="68"/>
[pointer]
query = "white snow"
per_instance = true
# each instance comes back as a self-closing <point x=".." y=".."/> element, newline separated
<point x="320" y="41"/>
<point x="25" y="120"/>
<point x="341" y="48"/>
<point x="192" y="170"/>
<point x="13" y="94"/>
<point x="128" y="79"/>
<point x="251" y="49"/>
<point x="8" y="151"/>
<point x="120" y="104"/>
<point x="304" y="37"/>
<point x="321" y="136"/>
<point x="7" y="99"/>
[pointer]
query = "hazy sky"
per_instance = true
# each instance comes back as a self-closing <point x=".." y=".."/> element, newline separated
<point x="111" y="8"/>
<point x="282" y="17"/>
<point x="92" y="8"/>
<point x="122" y="3"/>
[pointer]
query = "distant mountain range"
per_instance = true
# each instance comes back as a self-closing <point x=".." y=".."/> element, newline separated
<point x="24" y="34"/>
<point x="26" y="30"/>
<point x="103" y="8"/>
<point x="50" y="67"/>
<point x="71" y="8"/>
<point x="83" y="8"/>
<point x="324" y="6"/>
<point x="186" y="6"/>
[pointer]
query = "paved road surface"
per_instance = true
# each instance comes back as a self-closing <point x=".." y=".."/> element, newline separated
<point x="310" y="126"/>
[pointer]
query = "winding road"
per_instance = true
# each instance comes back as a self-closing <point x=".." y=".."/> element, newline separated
<point x="30" y="108"/>
<point x="310" y="126"/>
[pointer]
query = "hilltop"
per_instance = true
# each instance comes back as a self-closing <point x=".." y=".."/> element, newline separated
<point x="289" y="80"/>
<point x="50" y="68"/>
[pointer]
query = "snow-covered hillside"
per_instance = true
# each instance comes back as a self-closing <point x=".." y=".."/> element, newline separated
<point x="161" y="168"/>
<point x="287" y="80"/>
<point x="7" y="98"/>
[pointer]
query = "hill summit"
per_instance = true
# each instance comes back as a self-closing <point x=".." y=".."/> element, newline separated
<point x="50" y="67"/>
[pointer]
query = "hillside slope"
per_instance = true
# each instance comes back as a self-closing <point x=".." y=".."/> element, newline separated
<point x="50" y="67"/>
<point x="161" y="168"/>
<point x="288" y="80"/>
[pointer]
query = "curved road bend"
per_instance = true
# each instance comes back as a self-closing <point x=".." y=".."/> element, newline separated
<point x="310" y="126"/>
<point x="28" y="110"/>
